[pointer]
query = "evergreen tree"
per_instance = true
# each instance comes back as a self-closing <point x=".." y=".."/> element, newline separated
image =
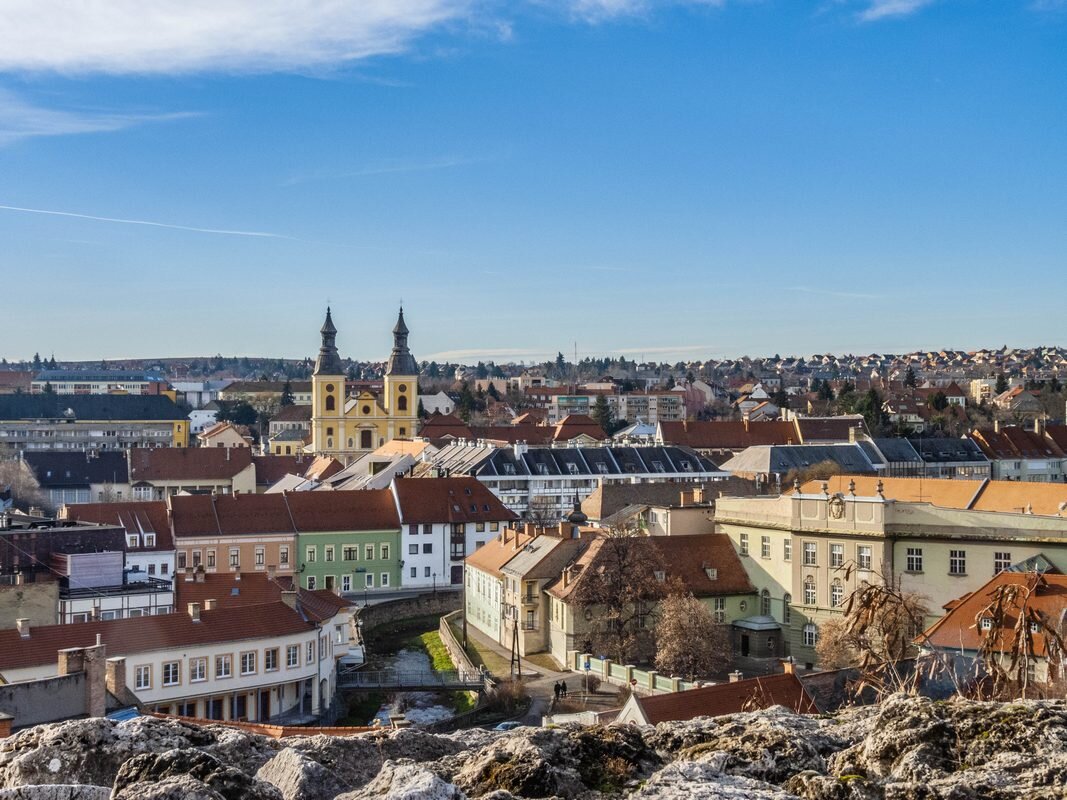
<point x="48" y="388"/>
<point x="433" y="371"/>
<point x="909" y="378"/>
<point x="37" y="361"/>
<point x="422" y="410"/>
<point x="465" y="403"/>
<point x="670" y="382"/>
<point x="1002" y="384"/>
<point x="690" y="378"/>
<point x="492" y="392"/>
<point x="561" y="365"/>
<point x="602" y="414"/>
<point x="481" y="372"/>
<point x="287" y="395"/>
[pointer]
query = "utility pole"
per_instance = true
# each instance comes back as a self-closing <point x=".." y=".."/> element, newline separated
<point x="516" y="662"/>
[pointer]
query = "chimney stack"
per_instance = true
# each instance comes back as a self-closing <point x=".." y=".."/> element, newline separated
<point x="289" y="598"/>
<point x="996" y="426"/>
<point x="115" y="676"/>
<point x="199" y="573"/>
<point x="788" y="667"/>
<point x="23" y="626"/>
<point x="211" y="605"/>
<point x="271" y="572"/>
<point x="1039" y="426"/>
<point x="188" y="574"/>
<point x="194" y="612"/>
<point x="735" y="676"/>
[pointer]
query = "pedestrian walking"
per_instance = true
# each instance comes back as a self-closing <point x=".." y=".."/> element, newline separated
<point x="563" y="688"/>
<point x="557" y="690"/>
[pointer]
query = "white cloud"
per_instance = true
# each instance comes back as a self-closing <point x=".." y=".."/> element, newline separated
<point x="167" y="36"/>
<point x="20" y="119"/>
<point x="882" y="9"/>
<point x="601" y="10"/>
<point x="119" y="220"/>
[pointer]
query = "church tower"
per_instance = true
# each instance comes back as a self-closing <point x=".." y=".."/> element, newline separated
<point x="327" y="393"/>
<point x="401" y="396"/>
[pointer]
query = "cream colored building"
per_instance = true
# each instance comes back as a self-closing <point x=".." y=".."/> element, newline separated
<point x="806" y="551"/>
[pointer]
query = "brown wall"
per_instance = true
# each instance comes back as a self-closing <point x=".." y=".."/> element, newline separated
<point x="247" y="548"/>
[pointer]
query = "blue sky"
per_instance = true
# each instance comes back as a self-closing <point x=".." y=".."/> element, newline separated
<point x="650" y="179"/>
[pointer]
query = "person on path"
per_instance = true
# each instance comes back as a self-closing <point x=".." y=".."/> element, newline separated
<point x="563" y="688"/>
<point x="557" y="690"/>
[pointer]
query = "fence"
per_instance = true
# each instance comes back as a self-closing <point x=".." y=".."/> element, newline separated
<point x="640" y="680"/>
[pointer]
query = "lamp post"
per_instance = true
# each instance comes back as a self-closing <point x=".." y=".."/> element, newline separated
<point x="435" y="583"/>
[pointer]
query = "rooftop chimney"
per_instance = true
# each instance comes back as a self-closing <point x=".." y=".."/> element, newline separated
<point x="996" y="426"/>
<point x="735" y="676"/>
<point x="271" y="572"/>
<point x="788" y="667"/>
<point x="211" y="605"/>
<point x="188" y="574"/>
<point x="1039" y="426"/>
<point x="199" y="573"/>
<point x="289" y="598"/>
<point x="194" y="612"/>
<point x="23" y="626"/>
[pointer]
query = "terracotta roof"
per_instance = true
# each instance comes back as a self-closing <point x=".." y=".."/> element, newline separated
<point x="498" y="551"/>
<point x="1058" y="435"/>
<point x="125" y="637"/>
<point x="830" y="429"/>
<point x="574" y="425"/>
<point x="290" y="512"/>
<point x="255" y="589"/>
<point x="293" y="413"/>
<point x="531" y="416"/>
<point x="1013" y="442"/>
<point x="729" y="698"/>
<point x="10" y="380"/>
<point x="728" y="435"/>
<point x="271" y="469"/>
<point x="187" y="463"/>
<point x="985" y="495"/>
<point x="322" y="468"/>
<point x="531" y="434"/>
<point x="958" y="629"/>
<point x="425" y="500"/>
<point x="438" y="426"/>
<point x="150" y="517"/>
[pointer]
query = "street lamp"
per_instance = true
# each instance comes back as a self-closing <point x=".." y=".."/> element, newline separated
<point x="435" y="583"/>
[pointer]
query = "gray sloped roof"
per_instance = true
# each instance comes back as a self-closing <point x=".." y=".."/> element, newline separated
<point x="938" y="450"/>
<point x="97" y="407"/>
<point x="897" y="450"/>
<point x="780" y="459"/>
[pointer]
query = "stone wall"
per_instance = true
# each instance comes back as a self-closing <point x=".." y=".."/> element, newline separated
<point x="48" y="700"/>
<point x="455" y="649"/>
<point x="435" y="604"/>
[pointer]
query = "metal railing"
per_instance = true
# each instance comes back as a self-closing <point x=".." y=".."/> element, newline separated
<point x="353" y="678"/>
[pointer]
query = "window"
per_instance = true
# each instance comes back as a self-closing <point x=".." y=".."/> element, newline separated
<point x="181" y="559"/>
<point x="292" y="655"/>
<point x="765" y="603"/>
<point x="427" y="547"/>
<point x="1001" y="561"/>
<point x="270" y="659"/>
<point x="223" y="666"/>
<point x="143" y="677"/>
<point x="479" y="527"/>
<point x="330" y="403"/>
<point x="987" y="624"/>
<point x="863" y="556"/>
<point x="328" y="553"/>
<point x="427" y="529"/>
<point x="744" y="544"/>
<point x="149" y="540"/>
<point x="368" y="552"/>
<point x="197" y="559"/>
<point x="494" y="526"/>
<point x="401" y="403"/>
<point x="787" y="548"/>
<point x="385" y="552"/>
<point x="172" y="673"/>
<point x="719" y="611"/>
<point x="211" y="559"/>
<point x="197" y="670"/>
<point x="346" y="583"/>
<point x="811" y="635"/>
<point x="385" y="579"/>
<point x="809" y="554"/>
<point x="312" y="583"/>
<point x="309" y="653"/>
<point x="837" y="593"/>
<point x="765" y="547"/>
<point x="413" y="549"/>
<point x="915" y="559"/>
<point x="414" y="572"/>
<point x="809" y="591"/>
<point x="283" y="555"/>
<point x="957" y="562"/>
<point x="151" y="569"/>
<point x="261" y="556"/>
<point x="310" y="554"/>
<point x="426" y="572"/>
<point x="349" y="553"/>
<point x="248" y="663"/>
<point x="787" y="612"/>
<point x="235" y="558"/>
<point x="837" y="555"/>
<point x="131" y="541"/>
<point x="369" y="583"/>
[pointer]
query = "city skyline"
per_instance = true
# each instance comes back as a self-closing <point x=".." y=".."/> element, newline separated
<point x="668" y="180"/>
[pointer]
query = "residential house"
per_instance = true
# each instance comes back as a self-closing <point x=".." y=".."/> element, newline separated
<point x="1019" y="402"/>
<point x="91" y="422"/>
<point x="200" y="419"/>
<point x="442" y="521"/>
<point x="439" y="403"/>
<point x="1022" y="454"/>
<point x="225" y="434"/>
<point x="62" y="381"/>
<point x="483" y="595"/>
<point x="80" y="477"/>
<point x="158" y="474"/>
<point x="149" y="542"/>
<point x="810" y="549"/>
<point x="264" y="395"/>
<point x="734" y="697"/>
<point x="773" y="464"/>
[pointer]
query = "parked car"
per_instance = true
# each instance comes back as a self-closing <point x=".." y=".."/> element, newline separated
<point x="508" y="726"/>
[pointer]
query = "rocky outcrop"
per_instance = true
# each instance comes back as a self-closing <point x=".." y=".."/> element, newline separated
<point x="907" y="748"/>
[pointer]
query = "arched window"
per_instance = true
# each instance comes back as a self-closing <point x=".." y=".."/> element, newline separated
<point x="331" y="405"/>
<point x="809" y="591"/>
<point x="765" y="603"/>
<point x="811" y="634"/>
<point x="837" y="593"/>
<point x="401" y="403"/>
<point x="786" y="611"/>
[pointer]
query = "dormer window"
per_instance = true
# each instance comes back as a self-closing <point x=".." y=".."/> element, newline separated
<point x="986" y="624"/>
<point x="467" y="492"/>
<point x="601" y="467"/>
<point x="509" y="469"/>
<point x="131" y="541"/>
<point x="712" y="573"/>
<point x="149" y="540"/>
<point x="657" y="466"/>
<point x="542" y="469"/>
<point x="572" y="468"/>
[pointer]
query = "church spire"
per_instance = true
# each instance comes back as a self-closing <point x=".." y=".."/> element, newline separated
<point x="328" y="362"/>
<point x="401" y="362"/>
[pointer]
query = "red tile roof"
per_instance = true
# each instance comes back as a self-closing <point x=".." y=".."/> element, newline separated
<point x="1013" y="442"/>
<point x="10" y="380"/>
<point x="728" y="435"/>
<point x="438" y="426"/>
<point x="287" y="512"/>
<point x="322" y="468"/>
<point x="293" y="413"/>
<point x="498" y="551"/>
<point x="729" y="698"/>
<point x="254" y="589"/>
<point x="271" y="469"/>
<point x="574" y="425"/>
<point x="427" y="500"/>
<point x="150" y="517"/>
<point x="959" y="628"/>
<point x="187" y="463"/>
<point x="124" y="637"/>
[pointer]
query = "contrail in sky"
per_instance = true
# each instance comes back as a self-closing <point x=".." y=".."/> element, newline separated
<point x="258" y="234"/>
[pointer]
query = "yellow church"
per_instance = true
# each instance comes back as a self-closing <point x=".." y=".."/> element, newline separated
<point x="346" y="426"/>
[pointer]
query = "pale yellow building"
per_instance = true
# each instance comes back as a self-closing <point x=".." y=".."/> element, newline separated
<point x="345" y="426"/>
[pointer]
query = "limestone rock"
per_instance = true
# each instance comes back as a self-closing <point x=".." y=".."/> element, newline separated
<point x="298" y="777"/>
<point x="687" y="780"/>
<point x="405" y="780"/>
<point x="56" y="791"/>
<point x="227" y="782"/>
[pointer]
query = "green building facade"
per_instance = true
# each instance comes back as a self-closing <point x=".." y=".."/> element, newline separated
<point x="351" y="561"/>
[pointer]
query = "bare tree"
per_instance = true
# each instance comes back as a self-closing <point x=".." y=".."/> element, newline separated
<point x="836" y="647"/>
<point x="616" y="594"/>
<point x="542" y="511"/>
<point x="689" y="642"/>
<point x="25" y="489"/>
